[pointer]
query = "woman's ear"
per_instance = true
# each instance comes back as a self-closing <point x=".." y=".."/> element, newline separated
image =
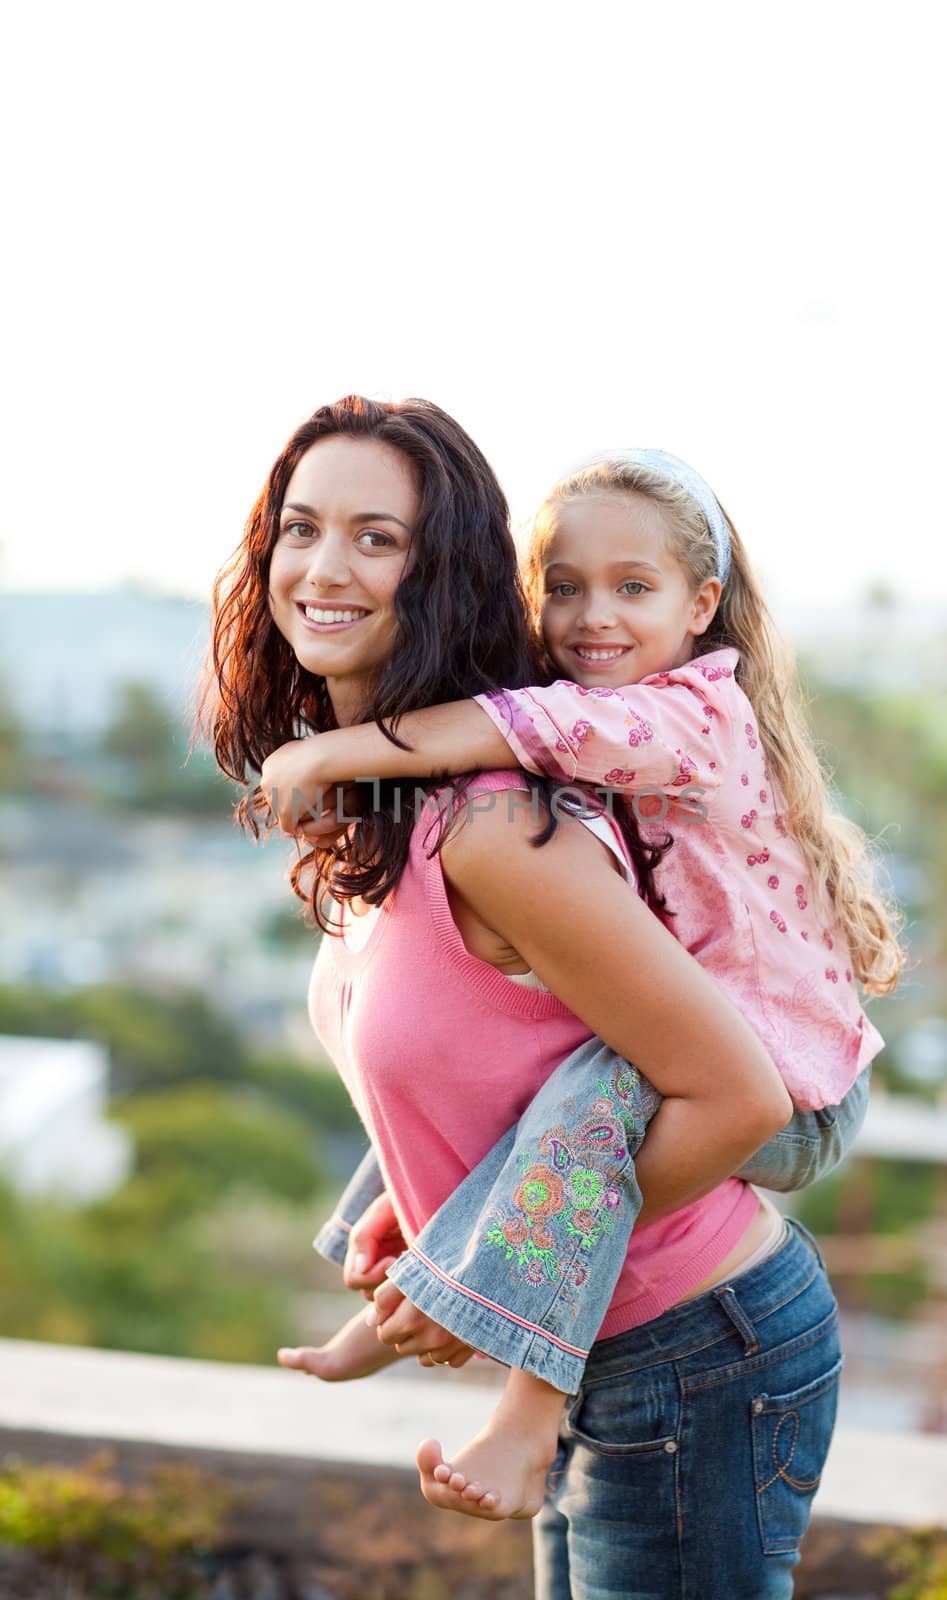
<point x="706" y="601"/>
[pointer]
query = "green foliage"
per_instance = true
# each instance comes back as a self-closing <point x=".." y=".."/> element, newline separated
<point x="147" y="1268"/>
<point x="878" y="1197"/>
<point x="216" y="1139"/>
<point x="317" y="1092"/>
<point x="36" y="1012"/>
<point x="889" y="753"/>
<point x="286" y="928"/>
<point x="147" y="765"/>
<point x="142" y="727"/>
<point x="158" y="1042"/>
<point x="110" y="1537"/>
<point x="160" y="1039"/>
<point x="153" y="1040"/>
<point x="12" y="743"/>
<point x="920" y="1557"/>
<point x="143" y="1271"/>
<point x="894" y="1196"/>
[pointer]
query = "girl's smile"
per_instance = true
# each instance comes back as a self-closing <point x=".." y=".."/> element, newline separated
<point x="591" y="653"/>
<point x="617" y="606"/>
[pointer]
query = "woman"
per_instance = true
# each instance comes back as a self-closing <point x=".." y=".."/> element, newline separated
<point x="376" y="575"/>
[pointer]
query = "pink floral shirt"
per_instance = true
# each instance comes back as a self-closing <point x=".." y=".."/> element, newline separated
<point x="685" y="746"/>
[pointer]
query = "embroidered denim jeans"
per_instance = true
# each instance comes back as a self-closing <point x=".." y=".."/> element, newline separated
<point x="522" y="1260"/>
<point x="689" y="1458"/>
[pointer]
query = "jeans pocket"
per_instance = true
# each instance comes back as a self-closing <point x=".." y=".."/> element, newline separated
<point x="627" y="1416"/>
<point x="791" y="1437"/>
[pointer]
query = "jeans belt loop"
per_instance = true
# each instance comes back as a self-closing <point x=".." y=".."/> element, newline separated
<point x="726" y="1298"/>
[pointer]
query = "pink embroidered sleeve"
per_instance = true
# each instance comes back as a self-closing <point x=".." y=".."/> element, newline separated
<point x="668" y="732"/>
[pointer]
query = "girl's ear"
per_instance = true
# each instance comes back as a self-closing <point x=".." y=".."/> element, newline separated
<point x="706" y="601"/>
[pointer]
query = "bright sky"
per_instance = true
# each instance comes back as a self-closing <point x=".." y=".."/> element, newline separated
<point x="714" y="228"/>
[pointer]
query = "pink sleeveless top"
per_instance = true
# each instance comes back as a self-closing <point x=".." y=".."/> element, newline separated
<point x="441" y="1053"/>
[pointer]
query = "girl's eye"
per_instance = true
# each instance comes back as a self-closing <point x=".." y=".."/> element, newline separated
<point x="381" y="541"/>
<point x="564" y="590"/>
<point x="635" y="586"/>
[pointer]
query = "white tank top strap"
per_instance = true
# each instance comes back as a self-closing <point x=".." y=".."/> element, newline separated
<point x="355" y="931"/>
<point x="606" y="831"/>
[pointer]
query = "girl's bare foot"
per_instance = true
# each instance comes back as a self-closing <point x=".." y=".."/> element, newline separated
<point x="498" y="1475"/>
<point x="501" y="1473"/>
<point x="353" y="1352"/>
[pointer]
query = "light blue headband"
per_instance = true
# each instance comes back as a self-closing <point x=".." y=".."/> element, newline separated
<point x="680" y="473"/>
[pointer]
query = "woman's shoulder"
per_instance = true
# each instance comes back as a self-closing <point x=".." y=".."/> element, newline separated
<point x="499" y="822"/>
<point x="477" y="794"/>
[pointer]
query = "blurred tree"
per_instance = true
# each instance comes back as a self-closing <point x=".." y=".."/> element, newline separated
<point x="160" y="1040"/>
<point x="12" y="742"/>
<point x="317" y="1092"/>
<point x="882" y="597"/>
<point x="127" y="1278"/>
<point x="286" y="928"/>
<point x="155" y="771"/>
<point x="163" y="1042"/>
<point x="141" y="731"/>
<point x="218" y="1139"/>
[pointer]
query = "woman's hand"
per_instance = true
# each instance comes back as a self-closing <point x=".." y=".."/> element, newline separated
<point x="375" y="1242"/>
<point x="302" y="797"/>
<point x="402" y="1327"/>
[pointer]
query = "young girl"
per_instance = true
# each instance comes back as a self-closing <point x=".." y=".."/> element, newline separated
<point x="632" y="563"/>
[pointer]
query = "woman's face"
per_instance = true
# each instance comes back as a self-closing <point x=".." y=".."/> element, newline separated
<point x="344" y="539"/>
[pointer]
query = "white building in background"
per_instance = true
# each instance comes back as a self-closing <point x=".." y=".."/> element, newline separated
<point x="55" y="1140"/>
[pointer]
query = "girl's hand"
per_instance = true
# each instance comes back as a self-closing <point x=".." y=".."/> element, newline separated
<point x="300" y="795"/>
<point x="402" y="1327"/>
<point x="374" y="1243"/>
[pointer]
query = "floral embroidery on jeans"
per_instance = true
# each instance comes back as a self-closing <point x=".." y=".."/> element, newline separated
<point x="569" y="1190"/>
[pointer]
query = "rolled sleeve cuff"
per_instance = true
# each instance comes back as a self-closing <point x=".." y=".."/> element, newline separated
<point x="538" y="744"/>
<point x="486" y="1326"/>
<point x="332" y="1240"/>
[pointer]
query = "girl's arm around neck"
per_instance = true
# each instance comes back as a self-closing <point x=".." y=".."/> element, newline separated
<point x="603" y="952"/>
<point x="302" y="775"/>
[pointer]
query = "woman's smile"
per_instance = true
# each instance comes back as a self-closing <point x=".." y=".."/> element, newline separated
<point x="325" y="619"/>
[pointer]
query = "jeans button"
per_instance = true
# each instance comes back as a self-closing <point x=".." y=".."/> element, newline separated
<point x="671" y="1447"/>
<point x="757" y="1407"/>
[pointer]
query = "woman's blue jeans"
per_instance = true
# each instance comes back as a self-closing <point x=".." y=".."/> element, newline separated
<point x="690" y="1456"/>
<point x="522" y="1260"/>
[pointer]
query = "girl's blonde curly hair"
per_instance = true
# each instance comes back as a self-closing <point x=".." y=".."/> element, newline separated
<point x="837" y="851"/>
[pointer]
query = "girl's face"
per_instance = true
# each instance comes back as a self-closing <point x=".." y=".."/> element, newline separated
<point x="344" y="539"/>
<point x="616" y="604"/>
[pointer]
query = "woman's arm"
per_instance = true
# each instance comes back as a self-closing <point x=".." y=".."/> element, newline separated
<point x="600" y="949"/>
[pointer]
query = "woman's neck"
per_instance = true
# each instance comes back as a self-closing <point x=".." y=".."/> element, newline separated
<point x="350" y="697"/>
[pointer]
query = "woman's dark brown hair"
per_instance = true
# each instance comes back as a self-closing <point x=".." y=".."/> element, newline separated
<point x="463" y="630"/>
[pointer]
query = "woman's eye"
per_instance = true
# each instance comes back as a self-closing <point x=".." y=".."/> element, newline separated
<point x="299" y="530"/>
<point x="377" y="540"/>
<point x="634" y="586"/>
